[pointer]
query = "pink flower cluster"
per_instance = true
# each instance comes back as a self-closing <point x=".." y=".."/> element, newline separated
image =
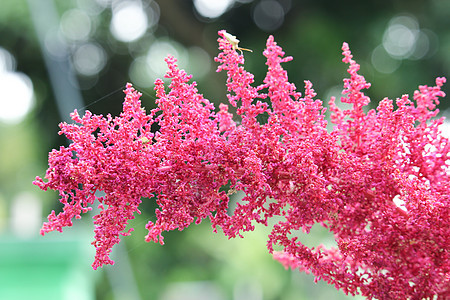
<point x="379" y="182"/>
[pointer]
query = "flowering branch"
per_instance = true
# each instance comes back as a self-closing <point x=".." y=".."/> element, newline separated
<point x="379" y="181"/>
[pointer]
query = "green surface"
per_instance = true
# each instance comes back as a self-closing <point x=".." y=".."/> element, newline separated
<point x="45" y="268"/>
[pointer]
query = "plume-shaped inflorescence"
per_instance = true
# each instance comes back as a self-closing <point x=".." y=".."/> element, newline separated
<point x="379" y="182"/>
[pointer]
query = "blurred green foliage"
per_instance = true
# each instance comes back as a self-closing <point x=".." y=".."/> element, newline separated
<point x="312" y="32"/>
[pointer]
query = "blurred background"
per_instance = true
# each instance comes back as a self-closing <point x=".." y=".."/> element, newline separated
<point x="57" y="56"/>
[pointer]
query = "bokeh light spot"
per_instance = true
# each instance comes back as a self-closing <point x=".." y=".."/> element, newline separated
<point x="75" y="25"/>
<point x="160" y="50"/>
<point x="199" y="62"/>
<point x="422" y="46"/>
<point x="26" y="215"/>
<point x="16" y="97"/>
<point x="212" y="9"/>
<point x="89" y="59"/>
<point x="129" y="21"/>
<point x="383" y="62"/>
<point x="399" y="39"/>
<point x="268" y="15"/>
<point x="153" y="12"/>
<point x="140" y="74"/>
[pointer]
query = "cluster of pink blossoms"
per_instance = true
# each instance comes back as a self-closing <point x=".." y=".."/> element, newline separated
<point x="379" y="182"/>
